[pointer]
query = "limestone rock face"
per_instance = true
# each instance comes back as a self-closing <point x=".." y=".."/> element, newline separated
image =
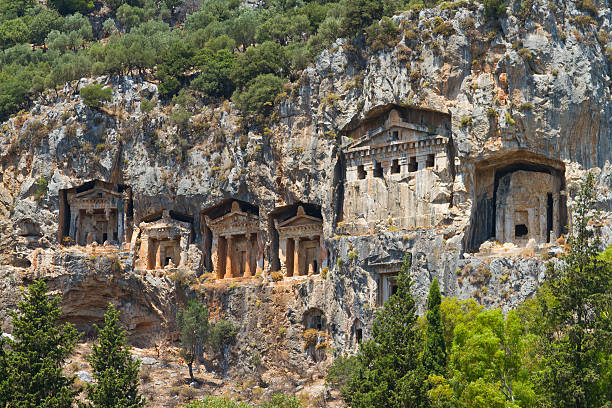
<point x="528" y="103"/>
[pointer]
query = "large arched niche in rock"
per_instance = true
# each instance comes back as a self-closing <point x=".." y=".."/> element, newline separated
<point x="518" y="196"/>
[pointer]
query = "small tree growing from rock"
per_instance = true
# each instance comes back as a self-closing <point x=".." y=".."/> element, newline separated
<point x="193" y="325"/>
<point x="95" y="95"/>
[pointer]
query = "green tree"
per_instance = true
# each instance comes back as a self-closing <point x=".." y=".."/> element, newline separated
<point x="215" y="69"/>
<point x="575" y="303"/>
<point x="494" y="8"/>
<point x="216" y="402"/>
<point x="359" y="14"/>
<point x="487" y="361"/>
<point x="192" y="322"/>
<point x="282" y="401"/>
<point x="258" y="98"/>
<point x="267" y="58"/>
<point x="115" y="372"/>
<point x="66" y="7"/>
<point x="38" y="352"/>
<point x="434" y="352"/>
<point x="388" y="372"/>
<point x="14" y="31"/>
<point x="95" y="95"/>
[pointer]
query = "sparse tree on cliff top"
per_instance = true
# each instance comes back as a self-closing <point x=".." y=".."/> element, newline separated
<point x="33" y="361"/>
<point x="114" y="370"/>
<point x="434" y="353"/>
<point x="193" y="325"/>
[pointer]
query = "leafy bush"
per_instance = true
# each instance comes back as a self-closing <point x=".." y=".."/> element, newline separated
<point x="146" y="105"/>
<point x="444" y="29"/>
<point x="258" y="97"/>
<point x="282" y="401"/>
<point x="494" y="8"/>
<point x="216" y="402"/>
<point x="382" y="35"/>
<point x="221" y="334"/>
<point x="95" y="95"/>
<point x="71" y="6"/>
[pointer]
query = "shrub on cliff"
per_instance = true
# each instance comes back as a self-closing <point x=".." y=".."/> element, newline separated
<point x="95" y="95"/>
<point x="258" y="97"/>
<point x="494" y="8"/>
<point x="216" y="402"/>
<point x="33" y="361"/>
<point x="114" y="370"/>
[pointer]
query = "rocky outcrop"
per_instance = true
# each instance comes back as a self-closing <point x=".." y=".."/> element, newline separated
<point x="534" y="89"/>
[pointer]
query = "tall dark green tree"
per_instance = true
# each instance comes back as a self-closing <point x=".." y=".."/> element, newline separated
<point x="114" y="370"/>
<point x="388" y="372"/>
<point x="38" y="352"/>
<point x="575" y="304"/>
<point x="434" y="352"/>
<point x="193" y="325"/>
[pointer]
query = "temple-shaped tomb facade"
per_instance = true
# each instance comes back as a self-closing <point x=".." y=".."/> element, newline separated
<point x="527" y="207"/>
<point x="301" y="249"/>
<point x="397" y="170"/>
<point x="96" y="212"/>
<point x="236" y="248"/>
<point x="519" y="196"/>
<point x="164" y="241"/>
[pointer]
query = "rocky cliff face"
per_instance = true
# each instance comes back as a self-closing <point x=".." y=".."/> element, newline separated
<point x="536" y="89"/>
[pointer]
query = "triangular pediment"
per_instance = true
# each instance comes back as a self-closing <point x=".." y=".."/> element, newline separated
<point x="301" y="220"/>
<point x="233" y="218"/>
<point x="97" y="192"/>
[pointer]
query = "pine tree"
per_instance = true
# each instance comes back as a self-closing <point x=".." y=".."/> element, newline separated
<point x="434" y="353"/>
<point x="114" y="370"/>
<point x="575" y="303"/>
<point x="193" y="325"/>
<point x="388" y="372"/>
<point x="38" y="352"/>
<point x="4" y="374"/>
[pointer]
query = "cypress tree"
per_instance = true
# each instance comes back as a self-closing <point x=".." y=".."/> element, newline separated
<point x="388" y="372"/>
<point x="114" y="370"/>
<point x="434" y="353"/>
<point x="575" y="303"/>
<point x="38" y="352"/>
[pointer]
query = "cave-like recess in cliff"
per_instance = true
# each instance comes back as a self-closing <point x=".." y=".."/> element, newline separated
<point x="487" y="176"/>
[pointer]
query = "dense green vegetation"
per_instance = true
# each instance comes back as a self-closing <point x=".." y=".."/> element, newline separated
<point x="553" y="351"/>
<point x="220" y="50"/>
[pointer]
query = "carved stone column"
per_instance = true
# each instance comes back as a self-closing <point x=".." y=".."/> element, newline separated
<point x="287" y="261"/>
<point x="296" y="257"/>
<point x="229" y="270"/>
<point x="555" y="216"/>
<point x="158" y="260"/>
<point x="543" y="219"/>
<point x="247" y="261"/>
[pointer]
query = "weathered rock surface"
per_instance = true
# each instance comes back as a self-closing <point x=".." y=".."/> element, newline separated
<point x="540" y="86"/>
